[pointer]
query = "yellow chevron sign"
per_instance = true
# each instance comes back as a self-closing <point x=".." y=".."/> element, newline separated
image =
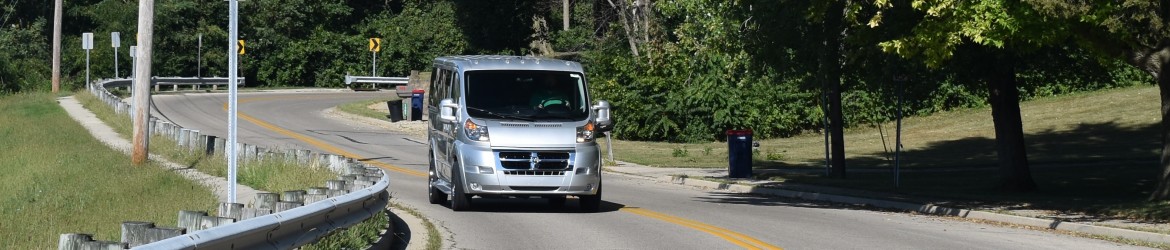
<point x="241" y="48"/>
<point x="376" y="44"/>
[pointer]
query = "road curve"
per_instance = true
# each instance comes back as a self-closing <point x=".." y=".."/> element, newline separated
<point x="636" y="214"/>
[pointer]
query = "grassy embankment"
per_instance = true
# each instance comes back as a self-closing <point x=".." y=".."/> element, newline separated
<point x="1093" y="152"/>
<point x="59" y="179"/>
<point x="274" y="175"/>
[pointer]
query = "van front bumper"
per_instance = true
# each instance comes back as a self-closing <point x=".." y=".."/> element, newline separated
<point x="486" y="174"/>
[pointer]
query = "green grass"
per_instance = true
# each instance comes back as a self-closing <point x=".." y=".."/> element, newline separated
<point x="270" y="174"/>
<point x="59" y="179"/>
<point x="362" y="108"/>
<point x="434" y="241"/>
<point x="1093" y="153"/>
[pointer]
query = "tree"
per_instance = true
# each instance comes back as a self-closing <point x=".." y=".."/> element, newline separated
<point x="992" y="35"/>
<point x="1134" y="31"/>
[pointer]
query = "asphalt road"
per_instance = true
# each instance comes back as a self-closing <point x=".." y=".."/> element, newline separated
<point x="636" y="214"/>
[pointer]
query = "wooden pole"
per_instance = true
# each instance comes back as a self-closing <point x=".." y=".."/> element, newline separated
<point x="57" y="9"/>
<point x="142" y="63"/>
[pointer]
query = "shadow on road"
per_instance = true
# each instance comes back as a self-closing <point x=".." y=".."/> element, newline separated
<point x="532" y="205"/>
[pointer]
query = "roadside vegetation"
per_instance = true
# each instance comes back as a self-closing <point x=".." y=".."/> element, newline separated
<point x="271" y="174"/>
<point x="59" y="179"/>
<point x="1093" y="153"/>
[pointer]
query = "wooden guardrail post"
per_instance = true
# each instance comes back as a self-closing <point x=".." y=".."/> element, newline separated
<point x="266" y="200"/>
<point x="316" y="194"/>
<point x="210" y="145"/>
<point x="137" y="233"/>
<point x="297" y="196"/>
<point x="73" y="241"/>
<point x="182" y="137"/>
<point x="231" y="210"/>
<point x="190" y="219"/>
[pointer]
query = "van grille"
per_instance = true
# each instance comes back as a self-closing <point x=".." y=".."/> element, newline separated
<point x="520" y="160"/>
<point x="520" y="188"/>
<point x="513" y="124"/>
<point x="535" y="172"/>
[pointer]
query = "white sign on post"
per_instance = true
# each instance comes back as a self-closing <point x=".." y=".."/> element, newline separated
<point x="87" y="41"/>
<point x="115" y="39"/>
<point x="133" y="50"/>
<point x="116" y="42"/>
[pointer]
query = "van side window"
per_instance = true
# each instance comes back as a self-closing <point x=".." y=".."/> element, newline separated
<point x="455" y="86"/>
<point x="434" y="85"/>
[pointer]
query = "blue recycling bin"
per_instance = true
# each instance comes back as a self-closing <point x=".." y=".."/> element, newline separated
<point x="416" y="104"/>
<point x="739" y="153"/>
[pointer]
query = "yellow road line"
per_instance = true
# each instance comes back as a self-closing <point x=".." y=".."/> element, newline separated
<point x="738" y="239"/>
<point x="728" y="235"/>
<point x="320" y="144"/>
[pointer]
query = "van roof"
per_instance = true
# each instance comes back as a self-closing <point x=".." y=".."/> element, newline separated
<point x="494" y="62"/>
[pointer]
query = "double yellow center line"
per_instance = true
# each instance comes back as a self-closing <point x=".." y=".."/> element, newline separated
<point x="747" y="242"/>
<point x="316" y="143"/>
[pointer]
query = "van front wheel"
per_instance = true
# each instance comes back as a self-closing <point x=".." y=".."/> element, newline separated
<point x="592" y="203"/>
<point x="460" y="201"/>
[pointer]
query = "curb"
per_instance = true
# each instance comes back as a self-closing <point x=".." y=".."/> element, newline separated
<point x="909" y="206"/>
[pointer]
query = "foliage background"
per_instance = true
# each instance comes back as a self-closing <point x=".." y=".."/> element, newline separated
<point x="707" y="65"/>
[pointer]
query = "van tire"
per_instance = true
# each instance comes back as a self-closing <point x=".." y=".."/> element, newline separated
<point x="591" y="203"/>
<point x="460" y="201"/>
<point x="434" y="195"/>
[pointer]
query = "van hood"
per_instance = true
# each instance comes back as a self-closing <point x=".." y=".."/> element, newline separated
<point x="533" y="134"/>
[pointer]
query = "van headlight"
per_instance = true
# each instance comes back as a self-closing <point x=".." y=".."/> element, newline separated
<point x="585" y="133"/>
<point x="475" y="131"/>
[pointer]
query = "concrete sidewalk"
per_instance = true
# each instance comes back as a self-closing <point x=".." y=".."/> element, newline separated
<point x="715" y="179"/>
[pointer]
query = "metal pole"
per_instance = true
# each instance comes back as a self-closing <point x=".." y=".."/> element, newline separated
<point x="233" y="29"/>
<point x="199" y="61"/>
<point x="87" y="67"/>
<point x="374" y="70"/>
<point x="609" y="145"/>
<point x="825" y="122"/>
<point x="142" y="78"/>
<point x="115" y="62"/>
<point x="898" y="138"/>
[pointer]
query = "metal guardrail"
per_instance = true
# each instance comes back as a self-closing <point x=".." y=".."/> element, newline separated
<point x="374" y="81"/>
<point x="354" y="197"/>
<point x="175" y="82"/>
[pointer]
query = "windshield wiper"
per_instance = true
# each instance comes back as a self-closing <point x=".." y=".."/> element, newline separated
<point x="503" y="116"/>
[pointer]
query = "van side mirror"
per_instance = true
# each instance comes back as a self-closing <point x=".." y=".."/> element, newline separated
<point x="447" y="109"/>
<point x="603" y="121"/>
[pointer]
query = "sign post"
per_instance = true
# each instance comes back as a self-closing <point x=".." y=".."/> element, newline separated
<point x="233" y="30"/>
<point x="199" y="56"/>
<point x="375" y="47"/>
<point x="115" y="41"/>
<point x="87" y="45"/>
<point x="901" y="79"/>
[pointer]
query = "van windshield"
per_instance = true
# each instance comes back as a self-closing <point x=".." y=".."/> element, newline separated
<point x="531" y="95"/>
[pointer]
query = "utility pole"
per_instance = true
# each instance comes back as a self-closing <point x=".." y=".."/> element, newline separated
<point x="142" y="81"/>
<point x="57" y="46"/>
<point x="565" y="14"/>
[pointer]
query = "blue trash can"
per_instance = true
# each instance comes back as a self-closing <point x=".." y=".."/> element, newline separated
<point x="416" y="104"/>
<point x="739" y="153"/>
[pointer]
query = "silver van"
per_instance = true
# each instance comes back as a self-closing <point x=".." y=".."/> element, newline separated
<point x="508" y="126"/>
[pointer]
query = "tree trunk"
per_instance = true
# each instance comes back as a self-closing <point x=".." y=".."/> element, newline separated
<point x="1015" y="175"/>
<point x="831" y="71"/>
<point x="1162" y="192"/>
<point x="1153" y="61"/>
<point x="622" y="9"/>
